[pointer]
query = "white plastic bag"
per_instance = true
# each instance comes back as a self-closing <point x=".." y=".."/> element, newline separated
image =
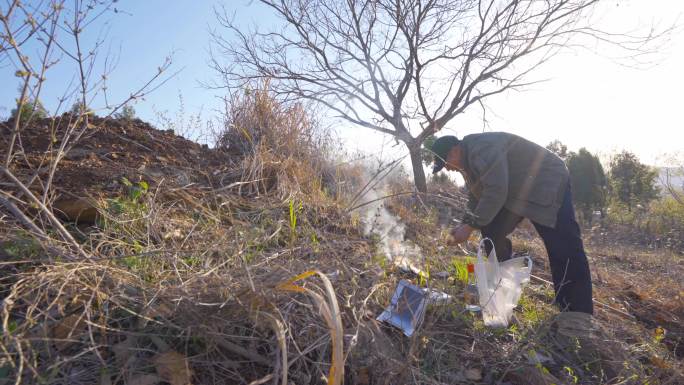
<point x="499" y="285"/>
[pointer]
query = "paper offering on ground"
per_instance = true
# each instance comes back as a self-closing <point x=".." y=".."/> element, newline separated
<point x="407" y="306"/>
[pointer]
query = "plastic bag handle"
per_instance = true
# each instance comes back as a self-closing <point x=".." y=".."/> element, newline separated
<point x="481" y="249"/>
<point x="529" y="265"/>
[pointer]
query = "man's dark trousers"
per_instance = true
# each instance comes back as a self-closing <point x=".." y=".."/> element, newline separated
<point x="569" y="266"/>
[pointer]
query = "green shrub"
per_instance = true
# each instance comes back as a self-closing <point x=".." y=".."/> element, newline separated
<point x="21" y="248"/>
<point x="619" y="213"/>
<point x="30" y="110"/>
<point x="78" y="109"/>
<point x="660" y="224"/>
<point x="126" y="113"/>
<point x="665" y="215"/>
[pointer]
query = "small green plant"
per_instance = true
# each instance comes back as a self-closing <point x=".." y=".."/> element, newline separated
<point x="543" y="369"/>
<point x="141" y="265"/>
<point x="133" y="262"/>
<point x="514" y="329"/>
<point x="130" y="204"/>
<point x="293" y="217"/>
<point x="380" y="260"/>
<point x="21" y="248"/>
<point x="124" y="218"/>
<point x="294" y="210"/>
<point x="135" y="190"/>
<point x="11" y="327"/>
<point x="192" y="261"/>
<point x="461" y="268"/>
<point x="314" y="242"/>
<point x="478" y="324"/>
<point x="424" y="276"/>
<point x="533" y="313"/>
<point x="571" y="374"/>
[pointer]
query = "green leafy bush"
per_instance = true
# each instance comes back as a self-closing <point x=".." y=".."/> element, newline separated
<point x="30" y="110"/>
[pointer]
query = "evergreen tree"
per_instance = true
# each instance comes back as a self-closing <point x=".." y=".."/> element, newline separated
<point x="631" y="182"/>
<point x="588" y="182"/>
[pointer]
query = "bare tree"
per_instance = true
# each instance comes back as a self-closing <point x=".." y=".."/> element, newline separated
<point x="404" y="67"/>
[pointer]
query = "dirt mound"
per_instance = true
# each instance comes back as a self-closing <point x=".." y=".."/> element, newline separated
<point x="109" y="154"/>
<point x="109" y="150"/>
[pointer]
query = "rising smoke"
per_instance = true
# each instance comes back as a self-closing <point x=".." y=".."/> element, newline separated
<point x="388" y="227"/>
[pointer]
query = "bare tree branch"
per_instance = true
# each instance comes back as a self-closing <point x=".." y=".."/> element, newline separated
<point x="34" y="37"/>
<point x="390" y="65"/>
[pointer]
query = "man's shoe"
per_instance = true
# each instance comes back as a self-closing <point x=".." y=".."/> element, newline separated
<point x="578" y="338"/>
<point x="575" y="333"/>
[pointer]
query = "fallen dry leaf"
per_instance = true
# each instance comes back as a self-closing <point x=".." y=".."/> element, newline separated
<point x="363" y="376"/>
<point x="159" y="309"/>
<point x="473" y="374"/>
<point x="67" y="330"/>
<point x="659" y="362"/>
<point x="173" y="234"/>
<point x="173" y="368"/>
<point x="124" y="350"/>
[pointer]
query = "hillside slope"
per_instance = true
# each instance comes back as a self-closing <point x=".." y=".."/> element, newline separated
<point x="215" y="266"/>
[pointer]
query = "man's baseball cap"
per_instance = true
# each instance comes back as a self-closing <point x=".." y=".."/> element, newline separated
<point x="441" y="148"/>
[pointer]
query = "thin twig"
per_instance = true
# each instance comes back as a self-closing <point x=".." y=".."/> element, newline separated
<point x="55" y="222"/>
<point x="593" y="299"/>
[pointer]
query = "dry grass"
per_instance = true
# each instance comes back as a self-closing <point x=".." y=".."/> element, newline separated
<point x="162" y="280"/>
<point x="208" y="287"/>
<point x="213" y="283"/>
<point x="182" y="277"/>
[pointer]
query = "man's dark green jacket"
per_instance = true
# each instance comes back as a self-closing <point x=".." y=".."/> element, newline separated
<point x="505" y="170"/>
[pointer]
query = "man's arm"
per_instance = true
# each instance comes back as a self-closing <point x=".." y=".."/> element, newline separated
<point x="492" y="166"/>
<point x="462" y="232"/>
<point x="469" y="216"/>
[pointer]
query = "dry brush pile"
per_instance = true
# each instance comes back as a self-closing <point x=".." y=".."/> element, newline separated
<point x="148" y="258"/>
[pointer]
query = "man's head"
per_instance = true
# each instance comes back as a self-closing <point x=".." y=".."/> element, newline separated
<point x="447" y="153"/>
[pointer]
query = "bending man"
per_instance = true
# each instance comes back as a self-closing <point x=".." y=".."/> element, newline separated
<point x="510" y="178"/>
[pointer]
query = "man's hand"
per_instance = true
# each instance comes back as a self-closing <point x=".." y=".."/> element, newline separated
<point x="461" y="234"/>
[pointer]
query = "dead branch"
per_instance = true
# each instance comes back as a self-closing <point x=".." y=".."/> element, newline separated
<point x="68" y="238"/>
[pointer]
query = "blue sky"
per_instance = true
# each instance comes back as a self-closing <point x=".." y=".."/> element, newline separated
<point x="142" y="36"/>
<point x="589" y="101"/>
